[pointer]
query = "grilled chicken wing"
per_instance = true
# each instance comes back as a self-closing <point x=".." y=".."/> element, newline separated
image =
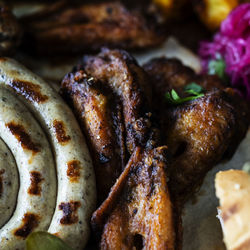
<point x="168" y="74"/>
<point x="111" y="97"/>
<point x="106" y="92"/>
<point x="91" y="26"/>
<point x="99" y="113"/>
<point x="139" y="210"/>
<point x="128" y="81"/>
<point x="199" y="133"/>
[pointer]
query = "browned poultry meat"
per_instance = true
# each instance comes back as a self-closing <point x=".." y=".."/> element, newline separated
<point x="139" y="211"/>
<point x="112" y="96"/>
<point x="91" y="26"/>
<point x="10" y="31"/>
<point x="128" y="81"/>
<point x="199" y="133"/>
<point x="168" y="74"/>
<point x="99" y="113"/>
<point x="107" y="93"/>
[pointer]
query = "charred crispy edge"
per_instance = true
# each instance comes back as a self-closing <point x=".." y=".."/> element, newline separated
<point x="217" y="95"/>
<point x="157" y="154"/>
<point x="137" y="112"/>
<point x="75" y="88"/>
<point x="120" y="132"/>
<point x="104" y="55"/>
<point x="70" y="88"/>
<point x="100" y="215"/>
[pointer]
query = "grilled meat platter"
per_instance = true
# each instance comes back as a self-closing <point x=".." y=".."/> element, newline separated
<point x="100" y="150"/>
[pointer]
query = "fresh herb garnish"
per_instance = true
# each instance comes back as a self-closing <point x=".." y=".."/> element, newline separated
<point x="45" y="241"/>
<point x="193" y="88"/>
<point x="217" y="67"/>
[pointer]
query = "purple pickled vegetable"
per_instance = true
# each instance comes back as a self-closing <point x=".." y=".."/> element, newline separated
<point x="232" y="44"/>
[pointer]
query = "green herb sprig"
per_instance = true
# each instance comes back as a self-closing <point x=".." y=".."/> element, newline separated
<point x="193" y="89"/>
<point x="217" y="67"/>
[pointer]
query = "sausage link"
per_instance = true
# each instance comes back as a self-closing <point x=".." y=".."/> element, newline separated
<point x="76" y="195"/>
<point x="37" y="193"/>
<point x="9" y="183"/>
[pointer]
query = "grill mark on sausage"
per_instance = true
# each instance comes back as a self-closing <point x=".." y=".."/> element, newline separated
<point x="23" y="137"/>
<point x="73" y="171"/>
<point x="69" y="212"/>
<point x="35" y="186"/>
<point x="61" y="136"/>
<point x="30" y="91"/>
<point x="1" y="182"/>
<point x="229" y="212"/>
<point x="30" y="222"/>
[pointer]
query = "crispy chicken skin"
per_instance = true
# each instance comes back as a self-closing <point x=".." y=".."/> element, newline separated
<point x="128" y="81"/>
<point x="199" y="133"/>
<point x="98" y="89"/>
<point x="171" y="73"/>
<point x="142" y="215"/>
<point x="99" y="113"/>
<point x="91" y="26"/>
<point x="111" y="93"/>
<point x="107" y="93"/>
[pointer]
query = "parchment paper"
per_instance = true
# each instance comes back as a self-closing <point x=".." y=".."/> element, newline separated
<point x="202" y="229"/>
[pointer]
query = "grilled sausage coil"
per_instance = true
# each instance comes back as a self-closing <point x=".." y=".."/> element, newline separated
<point x="31" y="112"/>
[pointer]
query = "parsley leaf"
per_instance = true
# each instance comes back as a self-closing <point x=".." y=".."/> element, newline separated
<point x="193" y="88"/>
<point x="217" y="67"/>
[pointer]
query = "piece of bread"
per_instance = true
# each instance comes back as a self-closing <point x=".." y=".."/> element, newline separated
<point x="233" y="191"/>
